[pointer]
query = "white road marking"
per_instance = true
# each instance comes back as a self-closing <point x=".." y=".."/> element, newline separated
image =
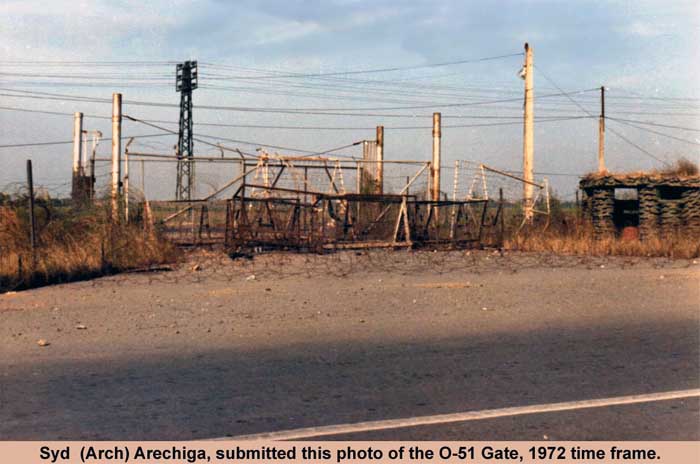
<point x="311" y="432"/>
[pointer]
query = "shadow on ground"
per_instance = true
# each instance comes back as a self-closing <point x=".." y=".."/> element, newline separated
<point x="212" y="394"/>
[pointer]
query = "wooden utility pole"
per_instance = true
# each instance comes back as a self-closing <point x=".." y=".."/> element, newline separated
<point x="601" y="133"/>
<point x="528" y="136"/>
<point x="380" y="159"/>
<point x="435" y="165"/>
<point x="116" y="152"/>
<point x="77" y="150"/>
<point x="32" y="221"/>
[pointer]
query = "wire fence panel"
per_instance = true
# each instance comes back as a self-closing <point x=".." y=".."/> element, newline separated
<point x="324" y="203"/>
<point x="476" y="181"/>
<point x="203" y="223"/>
<point x="319" y="201"/>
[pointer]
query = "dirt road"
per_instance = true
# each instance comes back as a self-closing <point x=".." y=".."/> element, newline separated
<point x="221" y="347"/>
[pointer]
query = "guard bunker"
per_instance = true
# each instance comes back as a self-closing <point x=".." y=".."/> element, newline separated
<point x="652" y="203"/>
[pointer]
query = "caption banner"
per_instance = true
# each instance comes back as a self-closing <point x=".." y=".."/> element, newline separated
<point x="356" y="452"/>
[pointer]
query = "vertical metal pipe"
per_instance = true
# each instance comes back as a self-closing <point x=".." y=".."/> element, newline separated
<point x="362" y="173"/>
<point x="126" y="185"/>
<point x="358" y="179"/>
<point x="380" y="159"/>
<point x="77" y="141"/>
<point x="32" y="223"/>
<point x="83" y="153"/>
<point x="601" y="132"/>
<point x="143" y="180"/>
<point x="97" y="135"/>
<point x="435" y="164"/>
<point x="502" y="221"/>
<point x="528" y="136"/>
<point x="243" y="182"/>
<point x="77" y="149"/>
<point x="116" y="152"/>
<point x="306" y="184"/>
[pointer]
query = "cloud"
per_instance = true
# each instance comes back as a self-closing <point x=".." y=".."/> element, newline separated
<point x="645" y="29"/>
<point x="578" y="44"/>
<point x="275" y="31"/>
<point x="63" y="29"/>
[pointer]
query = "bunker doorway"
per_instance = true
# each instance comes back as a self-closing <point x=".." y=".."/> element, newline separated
<point x="626" y="210"/>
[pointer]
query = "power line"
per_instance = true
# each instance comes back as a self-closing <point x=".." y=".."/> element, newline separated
<point x="84" y="63"/>
<point x="64" y="142"/>
<point x="647" y="97"/>
<point x="363" y="89"/>
<point x="57" y="113"/>
<point x="257" y="144"/>
<point x="637" y="146"/>
<point x="340" y="93"/>
<point x="315" y="77"/>
<point x="649" y="123"/>
<point x="680" y="139"/>
<point x="362" y="86"/>
<point x="344" y="90"/>
<point x="278" y="74"/>
<point x="334" y="128"/>
<point x="377" y="86"/>
<point x="319" y="111"/>
<point x="244" y="142"/>
<point x="382" y="70"/>
<point x="295" y="111"/>
<point x="130" y="77"/>
<point x="610" y="129"/>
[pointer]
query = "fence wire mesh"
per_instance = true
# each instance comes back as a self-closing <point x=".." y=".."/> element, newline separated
<point x="316" y="201"/>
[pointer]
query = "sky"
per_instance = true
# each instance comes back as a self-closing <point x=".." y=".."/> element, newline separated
<point x="644" y="52"/>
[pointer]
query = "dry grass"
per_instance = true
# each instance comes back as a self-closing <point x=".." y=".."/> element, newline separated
<point x="73" y="245"/>
<point x="581" y="241"/>
<point x="682" y="169"/>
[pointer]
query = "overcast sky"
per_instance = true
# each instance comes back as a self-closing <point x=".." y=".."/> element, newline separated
<point x="634" y="48"/>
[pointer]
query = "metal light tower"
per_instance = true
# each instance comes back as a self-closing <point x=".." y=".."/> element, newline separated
<point x="185" y="83"/>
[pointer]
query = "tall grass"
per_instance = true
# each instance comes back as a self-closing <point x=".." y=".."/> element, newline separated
<point x="73" y="244"/>
<point x="580" y="240"/>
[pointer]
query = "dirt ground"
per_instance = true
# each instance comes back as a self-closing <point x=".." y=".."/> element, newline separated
<point x="221" y="347"/>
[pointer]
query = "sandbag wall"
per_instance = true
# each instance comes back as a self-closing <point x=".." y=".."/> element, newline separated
<point x="649" y="211"/>
<point x="602" y="203"/>
<point x="666" y="205"/>
<point x="691" y="211"/>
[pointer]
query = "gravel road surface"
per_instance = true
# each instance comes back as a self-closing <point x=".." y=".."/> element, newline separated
<point x="223" y="348"/>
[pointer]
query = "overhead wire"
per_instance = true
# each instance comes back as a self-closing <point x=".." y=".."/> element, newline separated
<point x="281" y="110"/>
<point x="64" y="142"/>
<point x="655" y="124"/>
<point x="646" y="152"/>
<point x="334" y="128"/>
<point x="198" y="137"/>
<point x="644" y="129"/>
<point x="395" y="68"/>
<point x="336" y="76"/>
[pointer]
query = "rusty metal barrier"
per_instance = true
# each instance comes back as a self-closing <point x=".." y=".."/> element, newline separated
<point x="308" y="220"/>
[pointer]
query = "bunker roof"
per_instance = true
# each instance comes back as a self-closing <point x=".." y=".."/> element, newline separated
<point x="639" y="179"/>
<point x="683" y="173"/>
